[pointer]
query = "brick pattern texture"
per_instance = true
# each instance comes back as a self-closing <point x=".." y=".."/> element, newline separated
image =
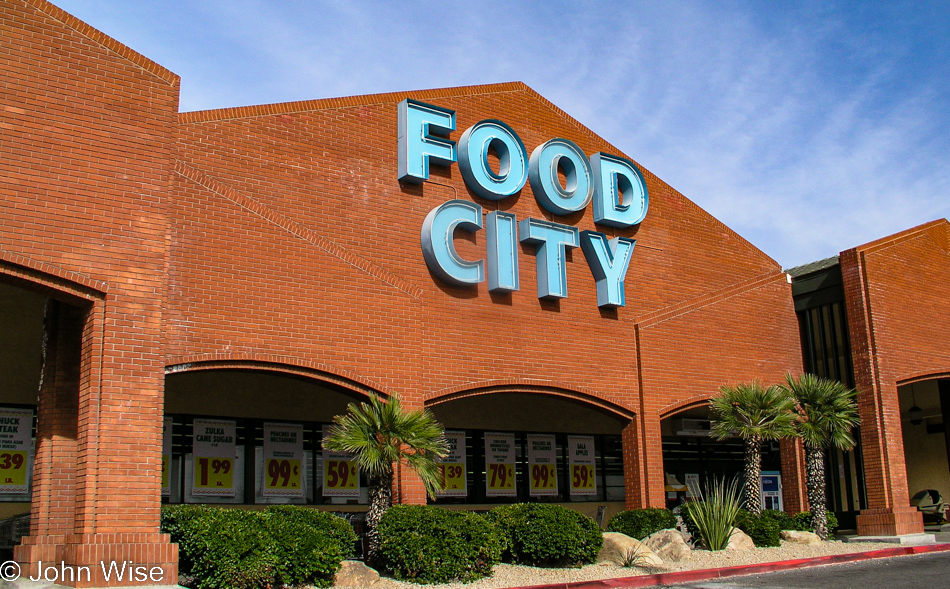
<point x="278" y="236"/>
<point x="897" y="292"/>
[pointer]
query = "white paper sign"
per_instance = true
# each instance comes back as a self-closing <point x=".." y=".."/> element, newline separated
<point x="283" y="460"/>
<point x="582" y="465"/>
<point x="16" y="433"/>
<point x="213" y="448"/>
<point x="500" y="465"/>
<point x="454" y="467"/>
<point x="542" y="465"/>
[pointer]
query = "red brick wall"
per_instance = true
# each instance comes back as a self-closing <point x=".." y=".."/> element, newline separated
<point x="88" y="130"/>
<point x="897" y="291"/>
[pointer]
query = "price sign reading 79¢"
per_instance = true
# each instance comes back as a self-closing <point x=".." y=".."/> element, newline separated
<point x="500" y="464"/>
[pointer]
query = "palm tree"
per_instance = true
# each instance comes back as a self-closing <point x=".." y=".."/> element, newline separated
<point x="827" y="412"/>
<point x="379" y="434"/>
<point x="755" y="415"/>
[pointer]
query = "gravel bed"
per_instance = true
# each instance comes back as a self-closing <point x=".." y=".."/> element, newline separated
<point x="507" y="576"/>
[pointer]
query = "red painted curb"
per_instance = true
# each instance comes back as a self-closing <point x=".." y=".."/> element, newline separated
<point x="749" y="569"/>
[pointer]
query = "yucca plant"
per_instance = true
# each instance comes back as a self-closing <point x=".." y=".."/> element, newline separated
<point x="715" y="514"/>
<point x="379" y="434"/>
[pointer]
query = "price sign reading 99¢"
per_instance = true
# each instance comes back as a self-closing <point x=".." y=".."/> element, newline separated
<point x="283" y="460"/>
<point x="500" y="465"/>
<point x="581" y="460"/>
<point x="213" y="448"/>
<point x="542" y="465"/>
<point x="341" y="477"/>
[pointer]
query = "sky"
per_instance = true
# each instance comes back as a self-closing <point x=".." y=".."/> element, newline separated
<point x="806" y="127"/>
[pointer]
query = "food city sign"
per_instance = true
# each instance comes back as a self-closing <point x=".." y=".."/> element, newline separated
<point x="613" y="184"/>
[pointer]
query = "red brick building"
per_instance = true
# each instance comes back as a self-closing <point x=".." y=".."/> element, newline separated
<point x="262" y="265"/>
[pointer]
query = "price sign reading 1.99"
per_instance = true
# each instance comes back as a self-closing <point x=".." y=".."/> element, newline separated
<point x="542" y="465"/>
<point x="500" y="465"/>
<point x="283" y="460"/>
<point x="581" y="461"/>
<point x="341" y="477"/>
<point x="213" y="449"/>
<point x="453" y="467"/>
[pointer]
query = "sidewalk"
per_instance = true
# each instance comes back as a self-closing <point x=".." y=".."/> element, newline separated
<point x="753" y="569"/>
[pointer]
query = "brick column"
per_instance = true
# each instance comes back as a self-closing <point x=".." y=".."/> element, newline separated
<point x="634" y="489"/>
<point x="407" y="486"/>
<point x="644" y="478"/>
<point x="97" y="468"/>
<point x="794" y="491"/>
<point x="885" y="475"/>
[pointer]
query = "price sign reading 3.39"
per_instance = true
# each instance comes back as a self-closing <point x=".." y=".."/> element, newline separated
<point x="452" y="467"/>
<point x="580" y="453"/>
<point x="500" y="465"/>
<point x="16" y="431"/>
<point x="283" y="460"/>
<point x="213" y="449"/>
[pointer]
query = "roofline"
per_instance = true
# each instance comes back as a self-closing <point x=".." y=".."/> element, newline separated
<point x="900" y="236"/>
<point x="106" y="41"/>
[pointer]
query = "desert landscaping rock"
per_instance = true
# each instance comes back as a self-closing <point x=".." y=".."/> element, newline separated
<point x="670" y="545"/>
<point x="354" y="573"/>
<point x="507" y="575"/>
<point x="618" y="547"/>
<point x="800" y="537"/>
<point x="739" y="540"/>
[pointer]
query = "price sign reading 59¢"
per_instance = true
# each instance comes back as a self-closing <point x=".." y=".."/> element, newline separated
<point x="582" y="477"/>
<point x="341" y="477"/>
<point x="581" y="460"/>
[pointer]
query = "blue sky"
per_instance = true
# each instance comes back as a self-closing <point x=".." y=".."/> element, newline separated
<point x="807" y="127"/>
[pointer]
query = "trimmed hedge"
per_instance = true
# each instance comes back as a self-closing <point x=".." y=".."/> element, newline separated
<point x="640" y="523"/>
<point x="763" y="529"/>
<point x="434" y="545"/>
<point x="544" y="534"/>
<point x="238" y="549"/>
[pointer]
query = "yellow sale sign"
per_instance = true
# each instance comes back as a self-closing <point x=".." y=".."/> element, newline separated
<point x="500" y="464"/>
<point x="341" y="478"/>
<point x="542" y="465"/>
<point x="453" y="476"/>
<point x="453" y="467"/>
<point x="213" y="448"/>
<point x="16" y="433"/>
<point x="581" y="461"/>
<point x="283" y="460"/>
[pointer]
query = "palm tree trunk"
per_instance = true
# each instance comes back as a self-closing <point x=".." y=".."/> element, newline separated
<point x="815" y="481"/>
<point x="753" y="469"/>
<point x="380" y="499"/>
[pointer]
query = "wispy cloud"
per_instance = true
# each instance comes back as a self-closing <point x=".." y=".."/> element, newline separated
<point x="807" y="128"/>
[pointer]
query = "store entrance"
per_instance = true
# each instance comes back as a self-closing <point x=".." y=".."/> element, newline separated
<point x="693" y="459"/>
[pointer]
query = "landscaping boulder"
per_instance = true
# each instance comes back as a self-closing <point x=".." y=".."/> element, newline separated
<point x="739" y="540"/>
<point x="619" y="547"/>
<point x="795" y="537"/>
<point x="354" y="573"/>
<point x="670" y="545"/>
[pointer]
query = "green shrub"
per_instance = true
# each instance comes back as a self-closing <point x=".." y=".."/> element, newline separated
<point x="237" y="549"/>
<point x="322" y="523"/>
<point x="543" y="534"/>
<point x="434" y="545"/>
<point x="802" y="522"/>
<point x="784" y="520"/>
<point x="763" y="529"/>
<point x="640" y="523"/>
<point x="715" y="515"/>
<point x="688" y="522"/>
